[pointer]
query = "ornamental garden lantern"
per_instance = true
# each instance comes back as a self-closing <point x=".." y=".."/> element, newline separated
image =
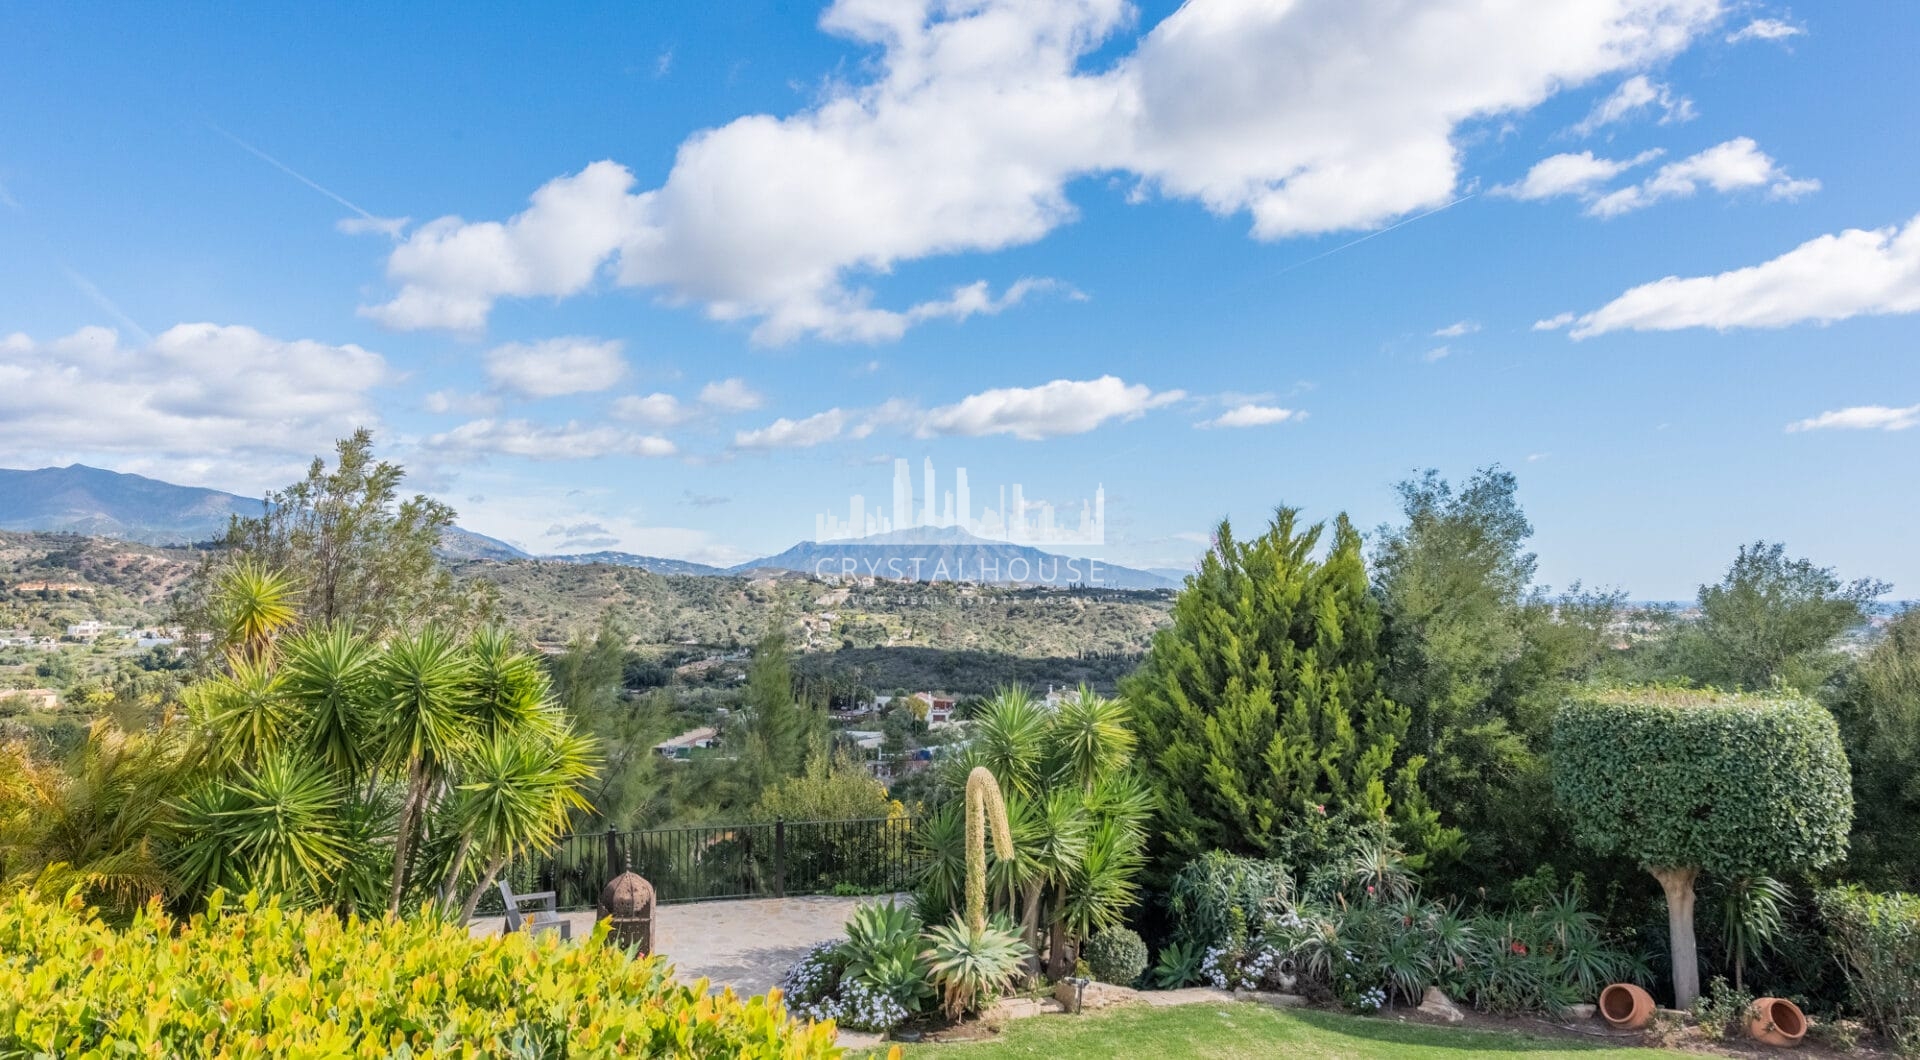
<point x="628" y="902"/>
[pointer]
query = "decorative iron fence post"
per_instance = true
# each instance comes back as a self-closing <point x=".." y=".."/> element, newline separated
<point x="614" y="867"/>
<point x="780" y="857"/>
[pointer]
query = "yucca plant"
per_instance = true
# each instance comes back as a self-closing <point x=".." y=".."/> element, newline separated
<point x="253" y="604"/>
<point x="245" y="713"/>
<point x="329" y="673"/>
<point x="515" y="795"/>
<point x="421" y="679"/>
<point x="273" y="827"/>
<point x="1752" y="918"/>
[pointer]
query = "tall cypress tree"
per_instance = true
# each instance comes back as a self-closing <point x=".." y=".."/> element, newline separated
<point x="1264" y="701"/>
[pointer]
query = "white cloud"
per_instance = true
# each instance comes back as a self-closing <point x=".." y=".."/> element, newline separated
<point x="391" y="227"/>
<point x="1768" y="29"/>
<point x="1861" y="418"/>
<point x="559" y="520"/>
<point x="1251" y="416"/>
<point x="1457" y="329"/>
<point x="784" y="433"/>
<point x="1062" y="407"/>
<point x="1308" y="117"/>
<point x="1438" y="353"/>
<point x="1735" y="165"/>
<point x="571" y="364"/>
<point x="1553" y="323"/>
<point x="442" y="402"/>
<point x="1569" y="174"/>
<point x="1859" y="272"/>
<point x="656" y="410"/>
<point x="731" y="395"/>
<point x="1636" y="94"/>
<point x="534" y="441"/>
<point x="225" y="405"/>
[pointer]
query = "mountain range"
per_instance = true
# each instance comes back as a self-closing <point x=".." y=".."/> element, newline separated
<point x="78" y="499"/>
<point x="94" y="502"/>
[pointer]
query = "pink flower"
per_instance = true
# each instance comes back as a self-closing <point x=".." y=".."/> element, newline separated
<point x="1320" y="808"/>
<point x="1518" y="949"/>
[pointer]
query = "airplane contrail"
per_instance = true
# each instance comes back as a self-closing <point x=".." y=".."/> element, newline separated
<point x="1354" y="243"/>
<point x="99" y="298"/>
<point x="389" y="225"/>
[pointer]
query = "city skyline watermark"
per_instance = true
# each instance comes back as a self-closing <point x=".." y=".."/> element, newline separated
<point x="928" y="533"/>
<point x="1013" y="518"/>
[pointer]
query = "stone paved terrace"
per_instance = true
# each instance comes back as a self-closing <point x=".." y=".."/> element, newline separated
<point x="745" y="944"/>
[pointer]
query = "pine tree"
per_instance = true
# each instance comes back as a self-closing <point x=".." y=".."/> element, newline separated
<point x="1263" y="703"/>
<point x="783" y="729"/>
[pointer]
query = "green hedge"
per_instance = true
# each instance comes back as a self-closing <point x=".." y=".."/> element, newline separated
<point x="257" y="981"/>
<point x="1732" y="784"/>
<point x="1877" y="938"/>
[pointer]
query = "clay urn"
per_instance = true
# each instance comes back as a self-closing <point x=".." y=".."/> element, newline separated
<point x="1626" y="1007"/>
<point x="1776" y="1021"/>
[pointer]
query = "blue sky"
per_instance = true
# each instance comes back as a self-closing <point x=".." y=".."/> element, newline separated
<point x="1207" y="257"/>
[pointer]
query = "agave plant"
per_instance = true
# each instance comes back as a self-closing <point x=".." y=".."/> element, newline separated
<point x="972" y="964"/>
<point x="1178" y="966"/>
<point x="883" y="950"/>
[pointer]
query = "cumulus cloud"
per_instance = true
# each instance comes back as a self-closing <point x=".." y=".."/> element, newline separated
<point x="1457" y="329"/>
<point x="1636" y="95"/>
<point x="1569" y="174"/>
<point x="1736" y="165"/>
<point x="784" y="433"/>
<point x="534" y="441"/>
<point x="571" y="364"/>
<point x="1306" y="117"/>
<point x="1251" y="416"/>
<point x="654" y="410"/>
<point x="229" y="399"/>
<point x="1861" y="418"/>
<point x="1064" y="406"/>
<point x="443" y="402"/>
<point x="731" y="395"/>
<point x="1859" y="272"/>
<point x="1768" y="29"/>
<point x="1553" y="323"/>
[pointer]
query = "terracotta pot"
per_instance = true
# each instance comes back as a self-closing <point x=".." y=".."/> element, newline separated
<point x="1626" y="1007"/>
<point x="1776" y="1021"/>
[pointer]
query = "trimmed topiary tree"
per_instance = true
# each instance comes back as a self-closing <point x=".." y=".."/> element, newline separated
<point x="1686" y="781"/>
<point x="1116" y="955"/>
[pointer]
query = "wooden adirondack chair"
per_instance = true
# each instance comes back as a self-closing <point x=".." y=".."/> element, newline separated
<point x="545" y="916"/>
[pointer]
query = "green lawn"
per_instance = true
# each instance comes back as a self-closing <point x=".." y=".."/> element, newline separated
<point x="1250" y="1030"/>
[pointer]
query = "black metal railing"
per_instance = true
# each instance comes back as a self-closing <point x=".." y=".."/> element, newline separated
<point x="706" y="862"/>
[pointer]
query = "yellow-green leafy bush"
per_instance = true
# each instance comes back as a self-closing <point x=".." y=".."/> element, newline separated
<point x="252" y="980"/>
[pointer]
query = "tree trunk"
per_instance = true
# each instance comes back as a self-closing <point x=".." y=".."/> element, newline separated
<point x="403" y="840"/>
<point x="1678" y="883"/>
<point x="486" y="881"/>
<point x="1058" y="962"/>
<point x="1030" y="927"/>
<point x="452" y="878"/>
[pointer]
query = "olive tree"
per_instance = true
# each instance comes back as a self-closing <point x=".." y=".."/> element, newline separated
<point x="1686" y="781"/>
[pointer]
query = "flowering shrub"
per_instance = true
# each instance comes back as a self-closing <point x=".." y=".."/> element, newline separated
<point x="255" y="980"/>
<point x="819" y="987"/>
